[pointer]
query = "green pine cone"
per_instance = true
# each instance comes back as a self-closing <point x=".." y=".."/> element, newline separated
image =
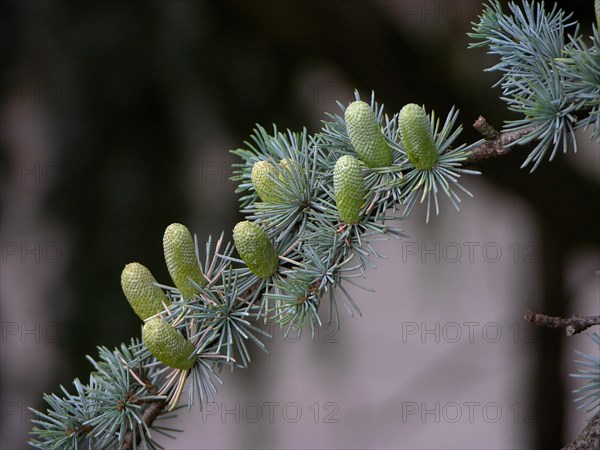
<point x="255" y="248"/>
<point x="289" y="168"/>
<point x="167" y="344"/>
<point x="145" y="298"/>
<point x="366" y="136"/>
<point x="349" y="188"/>
<point x="263" y="175"/>
<point x="417" y="137"/>
<point x="180" y="255"/>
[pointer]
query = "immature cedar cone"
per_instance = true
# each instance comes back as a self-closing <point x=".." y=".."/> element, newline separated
<point x="263" y="179"/>
<point x="366" y="135"/>
<point x="349" y="188"/>
<point x="255" y="248"/>
<point x="167" y="344"/>
<point x="289" y="168"/>
<point x="143" y="295"/>
<point x="417" y="137"/>
<point x="180" y="255"/>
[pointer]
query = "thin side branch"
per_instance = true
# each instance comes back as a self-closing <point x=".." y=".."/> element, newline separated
<point x="589" y="438"/>
<point x="488" y="131"/>
<point x="149" y="416"/>
<point x="496" y="144"/>
<point x="572" y="325"/>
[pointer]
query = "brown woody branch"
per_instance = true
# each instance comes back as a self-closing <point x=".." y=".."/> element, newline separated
<point x="589" y="438"/>
<point x="149" y="416"/>
<point x="572" y="325"/>
<point x="496" y="143"/>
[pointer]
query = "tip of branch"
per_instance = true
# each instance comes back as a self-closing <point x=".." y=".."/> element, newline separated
<point x="488" y="131"/>
<point x="529" y="316"/>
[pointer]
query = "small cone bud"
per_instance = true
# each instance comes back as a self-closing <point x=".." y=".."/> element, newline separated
<point x="167" y="344"/>
<point x="263" y="179"/>
<point x="289" y="168"/>
<point x="180" y="256"/>
<point x="255" y="248"/>
<point x="417" y="137"/>
<point x="143" y="295"/>
<point x="349" y="188"/>
<point x="366" y="136"/>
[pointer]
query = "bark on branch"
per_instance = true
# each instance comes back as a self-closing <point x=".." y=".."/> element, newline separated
<point x="496" y="143"/>
<point x="589" y="438"/>
<point x="572" y="325"/>
<point x="149" y="416"/>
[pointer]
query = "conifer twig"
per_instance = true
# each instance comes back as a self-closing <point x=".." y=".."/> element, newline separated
<point x="149" y="416"/>
<point x="496" y="143"/>
<point x="572" y="325"/>
<point x="488" y="131"/>
<point x="589" y="438"/>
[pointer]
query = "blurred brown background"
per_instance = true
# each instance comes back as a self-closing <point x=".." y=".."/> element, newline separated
<point x="116" y="120"/>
